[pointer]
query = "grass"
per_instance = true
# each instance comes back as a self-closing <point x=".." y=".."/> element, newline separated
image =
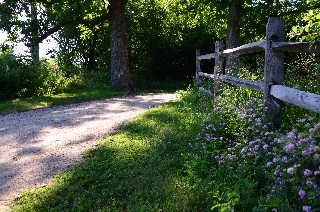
<point x="74" y="96"/>
<point x="137" y="169"/>
<point x="193" y="155"/>
<point x="93" y="89"/>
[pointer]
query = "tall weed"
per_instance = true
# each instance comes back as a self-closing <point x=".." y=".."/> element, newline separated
<point x="20" y="78"/>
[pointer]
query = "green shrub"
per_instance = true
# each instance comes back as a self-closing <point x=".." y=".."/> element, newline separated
<point x="54" y="80"/>
<point x="19" y="78"/>
<point x="16" y="78"/>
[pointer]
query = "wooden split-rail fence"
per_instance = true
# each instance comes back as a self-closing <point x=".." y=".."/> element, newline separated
<point x="272" y="86"/>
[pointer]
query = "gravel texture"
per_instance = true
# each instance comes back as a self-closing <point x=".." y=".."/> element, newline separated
<point x="36" y="144"/>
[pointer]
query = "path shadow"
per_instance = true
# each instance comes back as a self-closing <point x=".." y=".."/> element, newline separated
<point x="26" y="137"/>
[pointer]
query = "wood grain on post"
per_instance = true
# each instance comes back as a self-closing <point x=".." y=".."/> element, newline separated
<point x="198" y="68"/>
<point x="273" y="72"/>
<point x="218" y="67"/>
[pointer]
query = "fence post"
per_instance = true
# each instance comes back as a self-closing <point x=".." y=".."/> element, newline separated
<point x="273" y="70"/>
<point x="218" y="67"/>
<point x="198" y="69"/>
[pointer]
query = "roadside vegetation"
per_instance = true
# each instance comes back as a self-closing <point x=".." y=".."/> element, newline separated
<point x="24" y="104"/>
<point x="194" y="154"/>
<point x="25" y="87"/>
<point x="191" y="154"/>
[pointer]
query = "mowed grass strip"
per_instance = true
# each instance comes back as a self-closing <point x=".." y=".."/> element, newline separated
<point x="140" y="168"/>
<point x="75" y="96"/>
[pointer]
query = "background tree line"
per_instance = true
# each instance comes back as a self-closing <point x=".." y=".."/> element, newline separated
<point x="135" y="43"/>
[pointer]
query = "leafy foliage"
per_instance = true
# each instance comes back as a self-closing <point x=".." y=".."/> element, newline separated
<point x="166" y="51"/>
<point x="19" y="78"/>
<point x="309" y="31"/>
<point x="228" y="161"/>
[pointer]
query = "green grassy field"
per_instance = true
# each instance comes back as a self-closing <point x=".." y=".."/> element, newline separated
<point x="82" y="95"/>
<point x="194" y="154"/>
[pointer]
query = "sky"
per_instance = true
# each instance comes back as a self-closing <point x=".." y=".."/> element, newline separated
<point x="20" y="48"/>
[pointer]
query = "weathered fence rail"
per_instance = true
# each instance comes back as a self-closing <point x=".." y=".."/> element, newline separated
<point x="258" y="46"/>
<point x="302" y="47"/>
<point x="272" y="86"/>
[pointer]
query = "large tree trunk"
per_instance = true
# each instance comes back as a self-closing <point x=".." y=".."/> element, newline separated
<point x="35" y="53"/>
<point x="233" y="34"/>
<point x="120" y="70"/>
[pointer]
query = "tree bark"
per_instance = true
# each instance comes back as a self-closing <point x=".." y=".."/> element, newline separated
<point x="120" y="70"/>
<point x="35" y="50"/>
<point x="233" y="34"/>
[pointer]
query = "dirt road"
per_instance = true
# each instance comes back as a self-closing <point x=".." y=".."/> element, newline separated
<point x="38" y="143"/>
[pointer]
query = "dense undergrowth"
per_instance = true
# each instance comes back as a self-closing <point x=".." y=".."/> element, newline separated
<point x="24" y="86"/>
<point x="195" y="155"/>
<point x="254" y="167"/>
<point x="192" y="154"/>
<point x="20" y="78"/>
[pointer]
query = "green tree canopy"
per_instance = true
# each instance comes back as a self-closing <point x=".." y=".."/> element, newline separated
<point x="163" y="34"/>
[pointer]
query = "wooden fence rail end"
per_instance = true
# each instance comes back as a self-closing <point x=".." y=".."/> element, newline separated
<point x="297" y="97"/>
<point x="254" y="47"/>
<point x="207" y="56"/>
<point x="202" y="74"/>
<point x="302" y="47"/>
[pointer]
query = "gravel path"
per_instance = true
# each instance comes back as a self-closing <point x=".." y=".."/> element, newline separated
<point x="38" y="143"/>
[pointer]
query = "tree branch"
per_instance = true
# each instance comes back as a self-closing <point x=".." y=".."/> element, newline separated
<point x="49" y="32"/>
<point x="89" y="24"/>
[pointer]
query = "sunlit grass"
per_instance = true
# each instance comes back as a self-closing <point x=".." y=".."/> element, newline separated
<point x="57" y="99"/>
<point x="187" y="155"/>
<point x="140" y="168"/>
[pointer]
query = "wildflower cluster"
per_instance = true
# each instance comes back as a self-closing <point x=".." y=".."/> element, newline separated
<point x="285" y="167"/>
<point x="216" y="130"/>
<point x="294" y="166"/>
